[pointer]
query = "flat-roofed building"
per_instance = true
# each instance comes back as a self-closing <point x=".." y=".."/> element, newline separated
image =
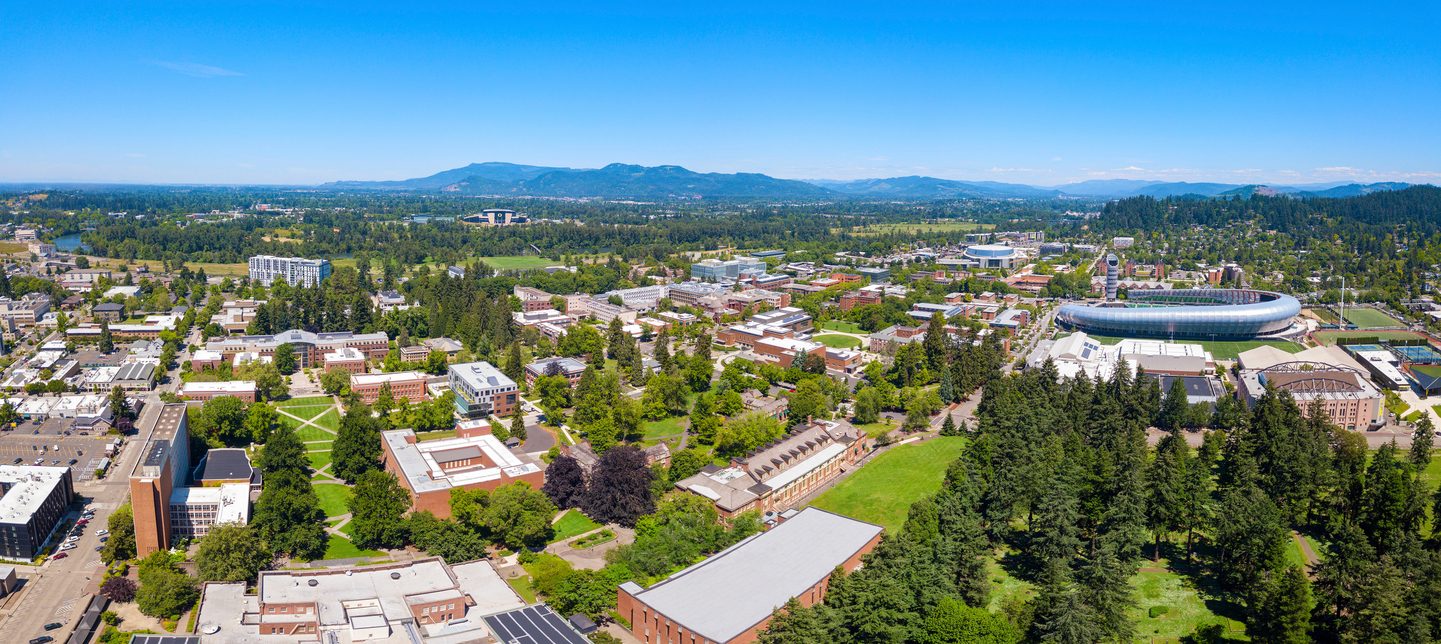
<point x="131" y="376"/>
<point x="789" y="317"/>
<point x="787" y="351"/>
<point x="162" y="468"/>
<point x="568" y="368"/>
<point x="408" y="385"/>
<point x="346" y="358"/>
<point x="482" y="390"/>
<point x="541" y="316"/>
<point x="730" y="597"/>
<point x="715" y="270"/>
<point x="195" y="510"/>
<point x="26" y="310"/>
<point x="265" y="269"/>
<point x="533" y="299"/>
<point x="242" y="389"/>
<point x="423" y="600"/>
<point x="473" y="460"/>
<point x="33" y="500"/>
<point x="746" y="335"/>
<point x="309" y="347"/>
<point x="203" y="359"/>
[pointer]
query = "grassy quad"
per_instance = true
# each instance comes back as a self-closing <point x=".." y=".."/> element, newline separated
<point x="571" y="524"/>
<point x="341" y="548"/>
<point x="837" y="341"/>
<point x="842" y="326"/>
<point x="334" y="498"/>
<point x="517" y="262"/>
<point x="883" y="490"/>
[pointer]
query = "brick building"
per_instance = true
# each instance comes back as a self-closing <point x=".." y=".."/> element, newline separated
<point x="410" y="385"/>
<point x="730" y="597"/>
<point x="473" y="459"/>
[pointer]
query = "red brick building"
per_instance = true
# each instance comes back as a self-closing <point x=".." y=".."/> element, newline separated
<point x="409" y="385"/>
<point x="730" y="597"/>
<point x="473" y="459"/>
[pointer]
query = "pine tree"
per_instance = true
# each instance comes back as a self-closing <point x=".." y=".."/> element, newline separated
<point x="948" y="426"/>
<point x="1062" y="615"/>
<point x="517" y="424"/>
<point x="1285" y="612"/>
<point x="1422" y="441"/>
<point x="1107" y="589"/>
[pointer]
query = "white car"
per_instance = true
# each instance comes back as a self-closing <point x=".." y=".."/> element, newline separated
<point x="101" y="533"/>
<point x="68" y="546"/>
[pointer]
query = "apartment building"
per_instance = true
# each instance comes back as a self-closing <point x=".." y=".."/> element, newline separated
<point x="296" y="271"/>
<point x="482" y="390"/>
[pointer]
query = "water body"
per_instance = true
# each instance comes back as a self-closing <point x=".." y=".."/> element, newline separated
<point x="70" y="243"/>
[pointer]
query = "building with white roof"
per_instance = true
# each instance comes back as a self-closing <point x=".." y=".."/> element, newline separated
<point x="473" y="459"/>
<point x="33" y="500"/>
<point x="194" y="510"/>
<point x="242" y="389"/>
<point x="481" y="390"/>
<point x="731" y="596"/>
<point x="401" y="603"/>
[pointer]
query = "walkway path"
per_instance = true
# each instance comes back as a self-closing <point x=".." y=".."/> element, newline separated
<point x="323" y="471"/>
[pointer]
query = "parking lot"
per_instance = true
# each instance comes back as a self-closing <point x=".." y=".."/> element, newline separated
<point x="86" y="451"/>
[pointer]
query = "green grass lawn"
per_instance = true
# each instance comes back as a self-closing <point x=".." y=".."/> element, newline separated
<point x="1325" y="315"/>
<point x="874" y="430"/>
<point x="518" y="262"/>
<point x="1220" y="349"/>
<point x="522" y="587"/>
<point x="318" y="459"/>
<point x="435" y="436"/>
<point x="313" y="433"/>
<point x="329" y="420"/>
<point x="307" y="412"/>
<point x="1185" y="610"/>
<point x="1353" y="337"/>
<point x="307" y="401"/>
<point x="843" y="326"/>
<point x="653" y="431"/>
<point x="341" y="548"/>
<point x="334" y="498"/>
<point x="1370" y="318"/>
<point x="884" y="489"/>
<point x="836" y="341"/>
<point x="572" y="523"/>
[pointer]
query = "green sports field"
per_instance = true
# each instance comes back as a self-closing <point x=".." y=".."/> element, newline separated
<point x="883" y="490"/>
<point x="518" y="262"/>
<point x="1352" y="337"/>
<point x="1371" y="319"/>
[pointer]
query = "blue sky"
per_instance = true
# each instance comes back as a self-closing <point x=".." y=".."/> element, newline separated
<point x="296" y="92"/>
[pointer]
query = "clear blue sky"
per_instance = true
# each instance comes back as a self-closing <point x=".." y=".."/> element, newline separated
<point x="295" y="92"/>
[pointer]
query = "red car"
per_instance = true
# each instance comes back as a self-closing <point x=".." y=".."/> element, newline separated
<point x="61" y="555"/>
<point x="82" y="522"/>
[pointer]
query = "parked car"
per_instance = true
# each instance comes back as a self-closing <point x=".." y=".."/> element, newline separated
<point x="104" y="539"/>
<point x="74" y="461"/>
<point x="42" y="639"/>
<point x="53" y="625"/>
<point x="102" y="532"/>
<point x="19" y="460"/>
<point x="82" y="521"/>
<point x="60" y="555"/>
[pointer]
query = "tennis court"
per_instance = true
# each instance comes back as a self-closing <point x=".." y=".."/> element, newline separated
<point x="1365" y="347"/>
<point x="1423" y="354"/>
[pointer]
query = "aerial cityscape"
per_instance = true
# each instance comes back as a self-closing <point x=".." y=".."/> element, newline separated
<point x="449" y="324"/>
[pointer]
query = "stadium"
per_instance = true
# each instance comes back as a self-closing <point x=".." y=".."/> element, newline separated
<point x="1203" y="314"/>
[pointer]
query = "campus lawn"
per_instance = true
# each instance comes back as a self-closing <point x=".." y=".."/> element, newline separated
<point x="308" y="401"/>
<point x="571" y="524"/>
<point x="306" y="412"/>
<point x="883" y="490"/>
<point x="522" y="587"/>
<point x="318" y="459"/>
<point x="874" y="430"/>
<point x="312" y="433"/>
<point x="518" y="262"/>
<point x="1352" y="337"/>
<point x="653" y="431"/>
<point x="329" y="420"/>
<point x="341" y="548"/>
<point x="334" y="498"/>
<point x="843" y="326"/>
<point x="1370" y="318"/>
<point x="1220" y="349"/>
<point x="836" y="341"/>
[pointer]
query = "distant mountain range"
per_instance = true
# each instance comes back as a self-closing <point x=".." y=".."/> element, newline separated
<point x="623" y="181"/>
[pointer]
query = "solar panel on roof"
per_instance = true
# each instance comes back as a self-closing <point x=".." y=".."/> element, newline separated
<point x="533" y="625"/>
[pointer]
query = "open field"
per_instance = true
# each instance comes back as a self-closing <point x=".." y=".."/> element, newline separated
<point x="572" y="523"/>
<point x="1371" y="319"/>
<point x="308" y="401"/>
<point x="1325" y="315"/>
<point x="334" y="498"/>
<point x="341" y="548"/>
<point x="883" y="490"/>
<point x="1181" y="610"/>
<point x="1221" y="349"/>
<point x="13" y="247"/>
<point x="518" y="262"/>
<point x="918" y="227"/>
<point x="842" y="326"/>
<point x="1352" y="337"/>
<point x="837" y="341"/>
<point x="654" y="431"/>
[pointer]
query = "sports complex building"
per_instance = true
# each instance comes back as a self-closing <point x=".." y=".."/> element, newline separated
<point x="1211" y="314"/>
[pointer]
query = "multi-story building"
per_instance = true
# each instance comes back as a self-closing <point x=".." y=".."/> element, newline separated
<point x="640" y="298"/>
<point x="692" y="293"/>
<point x="81" y="280"/>
<point x="533" y="299"/>
<point x="423" y="600"/>
<point x="309" y="348"/>
<point x="714" y="270"/>
<point x="569" y="368"/>
<point x="164" y="507"/>
<point x="293" y="270"/>
<point x="235" y="315"/>
<point x="730" y="597"/>
<point x="788" y="317"/>
<point x="541" y="316"/>
<point x="482" y="390"/>
<point x="473" y="460"/>
<point x="495" y="217"/>
<point x="25" y="311"/>
<point x="242" y="389"/>
<point x="194" y="510"/>
<point x="410" y="385"/>
<point x="852" y="299"/>
<point x="33" y="500"/>
<point x="347" y="358"/>
<point x="149" y="329"/>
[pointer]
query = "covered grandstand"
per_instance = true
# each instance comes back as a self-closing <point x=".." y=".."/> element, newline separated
<point x="1210" y="314"/>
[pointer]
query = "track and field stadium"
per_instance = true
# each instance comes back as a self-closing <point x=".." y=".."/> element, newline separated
<point x="1201" y="314"/>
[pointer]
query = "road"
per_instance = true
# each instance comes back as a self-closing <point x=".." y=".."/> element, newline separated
<point x="57" y="590"/>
